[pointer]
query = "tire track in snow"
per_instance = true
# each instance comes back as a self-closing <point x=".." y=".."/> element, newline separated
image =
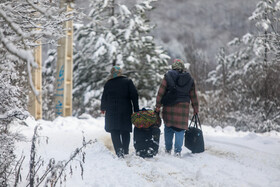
<point x="246" y="156"/>
<point x="238" y="145"/>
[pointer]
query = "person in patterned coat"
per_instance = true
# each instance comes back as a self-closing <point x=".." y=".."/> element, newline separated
<point x="175" y="112"/>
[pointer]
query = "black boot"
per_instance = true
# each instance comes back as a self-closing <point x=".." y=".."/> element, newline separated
<point x="120" y="153"/>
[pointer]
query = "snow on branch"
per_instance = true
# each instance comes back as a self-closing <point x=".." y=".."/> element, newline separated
<point x="147" y="4"/>
<point x="25" y="55"/>
<point x="15" y="27"/>
<point x="277" y="6"/>
<point x="43" y="11"/>
<point x="25" y="26"/>
<point x="15" y="113"/>
<point x="124" y="11"/>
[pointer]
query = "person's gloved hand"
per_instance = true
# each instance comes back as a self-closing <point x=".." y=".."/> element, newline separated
<point x="157" y="109"/>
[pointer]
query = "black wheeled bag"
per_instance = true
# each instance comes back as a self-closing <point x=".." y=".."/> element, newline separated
<point x="194" y="137"/>
<point x="146" y="141"/>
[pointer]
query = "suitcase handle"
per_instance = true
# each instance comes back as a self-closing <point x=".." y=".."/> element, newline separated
<point x="196" y="121"/>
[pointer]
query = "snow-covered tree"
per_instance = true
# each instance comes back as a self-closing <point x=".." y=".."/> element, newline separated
<point x="266" y="17"/>
<point x="198" y="63"/>
<point x="249" y="72"/>
<point x="23" y="24"/>
<point x="7" y="157"/>
<point x="12" y="106"/>
<point x="93" y="55"/>
<point x="120" y="36"/>
<point x="143" y="60"/>
<point x="48" y="82"/>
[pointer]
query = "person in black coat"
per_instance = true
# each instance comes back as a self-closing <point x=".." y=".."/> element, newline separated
<point x="116" y="103"/>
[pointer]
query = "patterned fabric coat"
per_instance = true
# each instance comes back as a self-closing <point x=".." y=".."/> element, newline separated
<point x="177" y="115"/>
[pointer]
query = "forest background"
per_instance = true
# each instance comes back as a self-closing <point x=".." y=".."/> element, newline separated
<point x="228" y="49"/>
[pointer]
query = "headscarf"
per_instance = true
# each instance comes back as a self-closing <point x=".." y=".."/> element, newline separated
<point x="178" y="64"/>
<point x="116" y="71"/>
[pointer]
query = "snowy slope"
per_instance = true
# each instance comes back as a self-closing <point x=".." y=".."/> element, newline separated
<point x="231" y="158"/>
<point x="207" y="25"/>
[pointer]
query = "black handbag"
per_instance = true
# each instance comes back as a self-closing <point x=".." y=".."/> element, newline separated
<point x="194" y="137"/>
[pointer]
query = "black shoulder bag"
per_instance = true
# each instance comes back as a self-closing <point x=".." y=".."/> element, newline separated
<point x="170" y="96"/>
<point x="194" y="137"/>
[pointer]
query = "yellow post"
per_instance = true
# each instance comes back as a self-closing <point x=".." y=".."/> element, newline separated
<point x="35" y="108"/>
<point x="64" y="68"/>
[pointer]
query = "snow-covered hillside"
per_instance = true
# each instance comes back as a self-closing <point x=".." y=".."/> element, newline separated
<point x="207" y="25"/>
<point x="231" y="158"/>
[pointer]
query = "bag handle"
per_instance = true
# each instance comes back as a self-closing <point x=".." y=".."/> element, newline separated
<point x="196" y="121"/>
<point x="192" y="120"/>
<point x="197" y="118"/>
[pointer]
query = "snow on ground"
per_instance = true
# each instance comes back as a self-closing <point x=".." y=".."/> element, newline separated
<point x="231" y="158"/>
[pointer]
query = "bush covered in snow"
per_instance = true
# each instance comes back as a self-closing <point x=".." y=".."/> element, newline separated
<point x="246" y="80"/>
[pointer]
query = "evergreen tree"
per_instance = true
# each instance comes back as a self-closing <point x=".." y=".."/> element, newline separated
<point x="266" y="16"/>
<point x="48" y="82"/>
<point x="143" y="61"/>
<point x="115" y="37"/>
<point x="12" y="106"/>
<point x="252" y="65"/>
<point x="93" y="56"/>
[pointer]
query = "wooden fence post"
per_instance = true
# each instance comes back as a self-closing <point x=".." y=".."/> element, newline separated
<point x="63" y="99"/>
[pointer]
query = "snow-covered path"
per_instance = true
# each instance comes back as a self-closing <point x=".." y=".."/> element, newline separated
<point x="231" y="158"/>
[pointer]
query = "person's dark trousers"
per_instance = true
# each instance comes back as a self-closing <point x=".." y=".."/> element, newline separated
<point x="120" y="141"/>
